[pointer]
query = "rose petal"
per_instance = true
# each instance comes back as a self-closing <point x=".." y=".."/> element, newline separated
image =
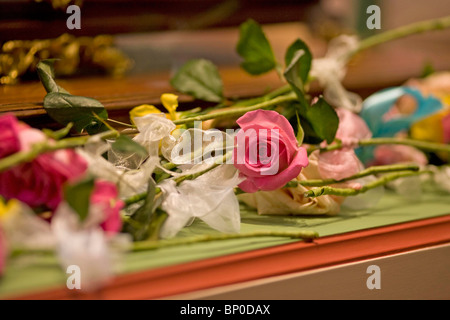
<point x="351" y="126"/>
<point x="338" y="164"/>
<point x="268" y="119"/>
<point x="391" y="154"/>
<point x="268" y="183"/>
<point x="9" y="140"/>
<point x="40" y="182"/>
<point x="105" y="195"/>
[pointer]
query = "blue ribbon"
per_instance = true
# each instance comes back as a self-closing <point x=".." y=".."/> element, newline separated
<point x="378" y="104"/>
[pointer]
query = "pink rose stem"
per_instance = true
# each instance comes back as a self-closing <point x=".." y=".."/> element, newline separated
<point x="345" y="192"/>
<point x="236" y="111"/>
<point x="364" y="173"/>
<point x="40" y="148"/>
<point x="404" y="31"/>
<point x="423" y="145"/>
<point x="305" y="235"/>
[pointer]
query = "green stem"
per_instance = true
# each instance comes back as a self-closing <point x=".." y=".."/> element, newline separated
<point x="157" y="220"/>
<point x="138" y="197"/>
<point x="121" y="123"/>
<point x="306" y="235"/>
<point x="364" y="173"/>
<point x="269" y="96"/>
<point x="346" y="192"/>
<point x="195" y="175"/>
<point x="47" y="146"/>
<point x="279" y="69"/>
<point x="58" y="134"/>
<point x="401" y="32"/>
<point x="278" y="92"/>
<point x="152" y="245"/>
<point x="423" y="145"/>
<point x="236" y="111"/>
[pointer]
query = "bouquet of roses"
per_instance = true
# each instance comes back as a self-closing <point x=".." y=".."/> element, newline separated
<point x="90" y="192"/>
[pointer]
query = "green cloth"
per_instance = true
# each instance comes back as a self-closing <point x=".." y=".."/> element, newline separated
<point x="31" y="273"/>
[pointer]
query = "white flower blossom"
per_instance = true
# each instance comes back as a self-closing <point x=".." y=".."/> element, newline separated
<point x="330" y="71"/>
<point x="209" y="197"/>
<point x="85" y="245"/>
<point x="152" y="129"/>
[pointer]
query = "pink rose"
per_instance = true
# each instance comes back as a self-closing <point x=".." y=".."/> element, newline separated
<point x="9" y="139"/>
<point x="267" y="152"/>
<point x="338" y="164"/>
<point x="39" y="182"/>
<point x="351" y="128"/>
<point x="391" y="154"/>
<point x="16" y="136"/>
<point x="105" y="195"/>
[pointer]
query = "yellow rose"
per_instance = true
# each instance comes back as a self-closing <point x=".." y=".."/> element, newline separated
<point x="169" y="101"/>
<point x="141" y="111"/>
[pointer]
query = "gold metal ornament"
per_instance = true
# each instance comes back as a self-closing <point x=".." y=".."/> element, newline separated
<point x="20" y="57"/>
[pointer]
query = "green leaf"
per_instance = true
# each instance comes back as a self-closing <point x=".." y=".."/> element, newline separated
<point x="200" y="79"/>
<point x="254" y="47"/>
<point x="300" y="64"/>
<point x="65" y="108"/>
<point x="127" y="145"/>
<point x="140" y="225"/>
<point x="46" y="74"/>
<point x="296" y="113"/>
<point x="323" y="119"/>
<point x="300" y="132"/>
<point x="292" y="74"/>
<point x="311" y="136"/>
<point x="96" y="127"/>
<point x="78" y="196"/>
<point x="143" y="213"/>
